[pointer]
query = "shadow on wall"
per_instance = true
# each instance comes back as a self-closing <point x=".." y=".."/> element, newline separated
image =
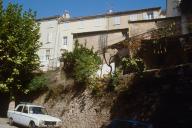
<point x="162" y="53"/>
<point x="4" y="103"/>
<point x="164" y="101"/>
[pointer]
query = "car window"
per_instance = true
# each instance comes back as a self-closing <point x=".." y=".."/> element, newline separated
<point x="37" y="110"/>
<point x="125" y="124"/>
<point x="19" y="109"/>
<point x="25" y="109"/>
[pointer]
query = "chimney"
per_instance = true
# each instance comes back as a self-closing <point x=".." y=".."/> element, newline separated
<point x="66" y="15"/>
<point x="110" y="11"/>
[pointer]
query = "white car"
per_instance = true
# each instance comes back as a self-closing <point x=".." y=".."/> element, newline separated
<point x="32" y="116"/>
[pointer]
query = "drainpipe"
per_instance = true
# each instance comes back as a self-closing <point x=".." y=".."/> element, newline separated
<point x="184" y="27"/>
<point x="56" y="46"/>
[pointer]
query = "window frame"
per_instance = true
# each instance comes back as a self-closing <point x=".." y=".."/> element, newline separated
<point x="65" y="40"/>
<point x="26" y="109"/>
<point x="133" y="17"/>
<point x="150" y="15"/>
<point x="66" y="25"/>
<point x="47" y="56"/>
<point x="117" y="20"/>
<point x="19" y="107"/>
<point x="49" y="37"/>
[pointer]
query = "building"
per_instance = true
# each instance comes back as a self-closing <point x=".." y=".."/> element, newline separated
<point x="102" y="30"/>
<point x="59" y="33"/>
<point x="172" y="8"/>
<point x="48" y="38"/>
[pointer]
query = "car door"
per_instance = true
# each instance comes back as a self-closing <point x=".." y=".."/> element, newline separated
<point x="17" y="114"/>
<point x="25" y="116"/>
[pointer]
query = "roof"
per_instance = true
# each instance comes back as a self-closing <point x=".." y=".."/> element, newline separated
<point x="100" y="32"/>
<point x="99" y="15"/>
<point x="48" y="18"/>
<point x="158" y="19"/>
<point x="30" y="105"/>
<point x="119" y="44"/>
<point x="110" y="14"/>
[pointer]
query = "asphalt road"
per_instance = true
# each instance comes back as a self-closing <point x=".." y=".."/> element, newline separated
<point x="4" y="123"/>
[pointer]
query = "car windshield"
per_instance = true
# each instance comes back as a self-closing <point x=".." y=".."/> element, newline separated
<point x="128" y="124"/>
<point x="37" y="110"/>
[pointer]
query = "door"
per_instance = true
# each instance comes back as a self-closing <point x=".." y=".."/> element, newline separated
<point x="17" y="114"/>
<point x="25" y="116"/>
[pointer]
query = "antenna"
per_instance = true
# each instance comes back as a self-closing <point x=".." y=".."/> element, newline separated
<point x="109" y="6"/>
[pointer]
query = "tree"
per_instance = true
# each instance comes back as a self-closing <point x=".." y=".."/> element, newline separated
<point x="19" y="35"/>
<point x="110" y="59"/>
<point x="81" y="64"/>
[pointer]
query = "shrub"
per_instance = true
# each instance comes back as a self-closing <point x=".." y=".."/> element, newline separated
<point x="39" y="82"/>
<point x="96" y="85"/>
<point x="69" y="62"/>
<point x="130" y="65"/>
<point x="114" y="80"/>
<point x="81" y="64"/>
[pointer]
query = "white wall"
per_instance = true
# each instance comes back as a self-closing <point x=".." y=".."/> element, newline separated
<point x="48" y="36"/>
<point x="105" y="70"/>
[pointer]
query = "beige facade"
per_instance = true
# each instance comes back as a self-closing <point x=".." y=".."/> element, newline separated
<point x="58" y="34"/>
<point x="104" y="30"/>
<point x="144" y="27"/>
<point x="137" y="28"/>
<point x="132" y="16"/>
<point x="100" y="40"/>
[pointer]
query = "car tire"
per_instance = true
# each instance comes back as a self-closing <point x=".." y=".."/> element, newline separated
<point x="11" y="122"/>
<point x="32" y="125"/>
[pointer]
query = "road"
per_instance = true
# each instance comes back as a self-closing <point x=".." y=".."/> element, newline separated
<point x="4" y="123"/>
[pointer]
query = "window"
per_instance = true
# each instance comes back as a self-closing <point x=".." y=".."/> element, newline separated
<point x="116" y="20"/>
<point x="145" y="16"/>
<point x="19" y="109"/>
<point x="65" y="40"/>
<point x="41" y="54"/>
<point x="49" y="37"/>
<point x="47" y="54"/>
<point x="99" y="22"/>
<point x="150" y="15"/>
<point x="102" y="41"/>
<point x="25" y="109"/>
<point x="81" y="24"/>
<point x="156" y="15"/>
<point x="38" y="110"/>
<point x="133" y="17"/>
<point x="129" y="124"/>
<point x="66" y="25"/>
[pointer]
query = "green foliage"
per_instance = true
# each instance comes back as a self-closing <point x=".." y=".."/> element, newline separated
<point x="95" y="85"/>
<point x="19" y="34"/>
<point x="81" y="64"/>
<point x="130" y="65"/>
<point x="39" y="82"/>
<point x="114" y="80"/>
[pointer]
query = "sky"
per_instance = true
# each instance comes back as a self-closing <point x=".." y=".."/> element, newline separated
<point x="46" y="8"/>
